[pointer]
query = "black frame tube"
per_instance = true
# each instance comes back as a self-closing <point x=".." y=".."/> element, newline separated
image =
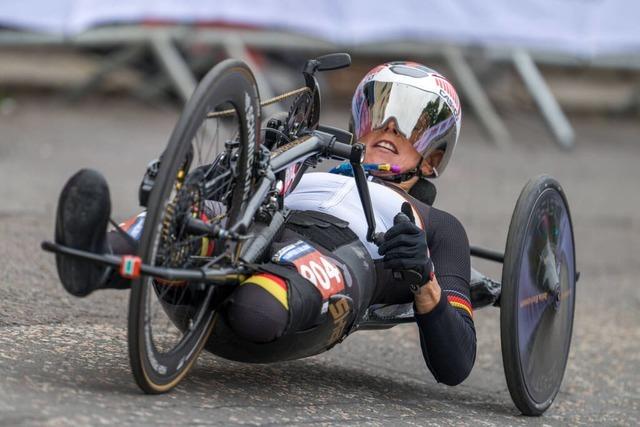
<point x="296" y="151"/>
<point x="317" y="143"/>
<point x="254" y="203"/>
<point x="487" y="254"/>
<point x="220" y="277"/>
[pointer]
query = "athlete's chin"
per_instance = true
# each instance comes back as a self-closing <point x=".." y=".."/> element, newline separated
<point x="380" y="160"/>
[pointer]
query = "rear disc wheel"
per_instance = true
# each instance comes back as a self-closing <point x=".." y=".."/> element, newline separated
<point x="538" y="295"/>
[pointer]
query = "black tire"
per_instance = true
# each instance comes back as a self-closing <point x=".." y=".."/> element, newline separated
<point x="187" y="309"/>
<point x="538" y="295"/>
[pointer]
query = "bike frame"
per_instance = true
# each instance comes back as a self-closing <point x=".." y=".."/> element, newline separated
<point x="318" y="144"/>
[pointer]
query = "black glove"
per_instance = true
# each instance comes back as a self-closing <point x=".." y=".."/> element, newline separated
<point x="405" y="247"/>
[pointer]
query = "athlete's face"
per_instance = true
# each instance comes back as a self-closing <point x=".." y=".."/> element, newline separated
<point x="388" y="145"/>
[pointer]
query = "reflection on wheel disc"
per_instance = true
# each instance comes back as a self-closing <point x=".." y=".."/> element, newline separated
<point x="545" y="296"/>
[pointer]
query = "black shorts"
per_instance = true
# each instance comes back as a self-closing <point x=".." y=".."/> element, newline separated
<point x="316" y="280"/>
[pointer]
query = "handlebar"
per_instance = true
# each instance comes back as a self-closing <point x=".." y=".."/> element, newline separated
<point x="341" y="150"/>
<point x="320" y="143"/>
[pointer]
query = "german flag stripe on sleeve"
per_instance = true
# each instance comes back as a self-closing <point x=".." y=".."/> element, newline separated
<point x="460" y="303"/>
<point x="276" y="286"/>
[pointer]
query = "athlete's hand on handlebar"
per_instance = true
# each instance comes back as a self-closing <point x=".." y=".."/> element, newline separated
<point x="405" y="247"/>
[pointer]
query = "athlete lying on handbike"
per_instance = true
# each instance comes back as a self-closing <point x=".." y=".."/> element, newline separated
<point x="408" y="116"/>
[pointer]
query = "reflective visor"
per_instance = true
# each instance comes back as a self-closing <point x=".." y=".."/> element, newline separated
<point x="422" y="117"/>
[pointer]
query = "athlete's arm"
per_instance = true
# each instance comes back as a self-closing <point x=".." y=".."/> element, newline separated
<point x="447" y="334"/>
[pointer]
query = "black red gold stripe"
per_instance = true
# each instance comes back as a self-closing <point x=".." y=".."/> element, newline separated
<point x="273" y="284"/>
<point x="461" y="303"/>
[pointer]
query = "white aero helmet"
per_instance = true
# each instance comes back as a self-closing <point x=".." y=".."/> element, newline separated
<point x="424" y="105"/>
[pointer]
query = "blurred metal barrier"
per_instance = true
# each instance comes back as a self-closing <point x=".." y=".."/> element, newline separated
<point x="162" y="42"/>
<point x="477" y="97"/>
<point x="173" y="64"/>
<point x="547" y="103"/>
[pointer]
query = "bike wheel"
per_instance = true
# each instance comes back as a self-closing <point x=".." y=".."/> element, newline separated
<point x="206" y="168"/>
<point x="538" y="295"/>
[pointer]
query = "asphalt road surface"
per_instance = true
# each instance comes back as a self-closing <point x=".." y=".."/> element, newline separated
<point x="64" y="360"/>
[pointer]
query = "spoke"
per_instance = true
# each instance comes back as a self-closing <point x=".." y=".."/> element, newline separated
<point x="198" y="146"/>
<point x="211" y="146"/>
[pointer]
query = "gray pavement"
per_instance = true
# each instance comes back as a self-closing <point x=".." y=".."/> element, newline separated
<point x="63" y="361"/>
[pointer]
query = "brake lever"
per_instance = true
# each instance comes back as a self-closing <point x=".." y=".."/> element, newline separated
<point x="356" y="158"/>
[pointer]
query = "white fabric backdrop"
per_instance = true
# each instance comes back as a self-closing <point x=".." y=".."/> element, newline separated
<point x="577" y="27"/>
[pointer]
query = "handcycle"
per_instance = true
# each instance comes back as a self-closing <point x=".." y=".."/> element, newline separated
<point x="219" y="160"/>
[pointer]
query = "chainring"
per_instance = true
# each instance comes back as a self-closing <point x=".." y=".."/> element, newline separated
<point x="176" y="246"/>
<point x="300" y="112"/>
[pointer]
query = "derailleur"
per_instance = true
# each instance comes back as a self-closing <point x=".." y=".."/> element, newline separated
<point x="151" y="174"/>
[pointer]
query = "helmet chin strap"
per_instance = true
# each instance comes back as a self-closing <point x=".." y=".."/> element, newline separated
<point x="405" y="176"/>
<point x="345" y="169"/>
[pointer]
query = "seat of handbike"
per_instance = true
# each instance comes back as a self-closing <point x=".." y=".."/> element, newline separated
<point x="484" y="292"/>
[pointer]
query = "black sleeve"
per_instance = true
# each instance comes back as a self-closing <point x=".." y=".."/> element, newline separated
<point x="447" y="334"/>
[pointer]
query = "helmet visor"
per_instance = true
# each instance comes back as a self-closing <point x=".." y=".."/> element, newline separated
<point x="422" y="117"/>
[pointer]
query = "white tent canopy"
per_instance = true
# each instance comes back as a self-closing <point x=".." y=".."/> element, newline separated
<point x="582" y="28"/>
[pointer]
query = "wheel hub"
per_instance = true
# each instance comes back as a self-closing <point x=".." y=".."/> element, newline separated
<point x="550" y="274"/>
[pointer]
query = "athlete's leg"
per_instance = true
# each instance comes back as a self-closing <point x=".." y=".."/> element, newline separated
<point x="280" y="301"/>
<point x="258" y="311"/>
<point x="123" y="242"/>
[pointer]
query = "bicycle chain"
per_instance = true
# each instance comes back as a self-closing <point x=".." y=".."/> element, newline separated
<point x="266" y="103"/>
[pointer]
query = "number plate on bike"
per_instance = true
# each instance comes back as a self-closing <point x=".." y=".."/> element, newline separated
<point x="317" y="268"/>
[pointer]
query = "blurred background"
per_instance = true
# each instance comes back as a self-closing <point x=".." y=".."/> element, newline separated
<point x="546" y="87"/>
